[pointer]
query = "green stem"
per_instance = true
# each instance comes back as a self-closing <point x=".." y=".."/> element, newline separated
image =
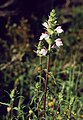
<point x="21" y="99"/>
<point x="21" y="91"/>
<point x="11" y="110"/>
<point x="38" y="104"/>
<point x="40" y="59"/>
<point x="40" y="71"/>
<point x="46" y="83"/>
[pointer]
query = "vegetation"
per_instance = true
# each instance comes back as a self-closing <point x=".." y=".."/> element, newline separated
<point x="42" y="79"/>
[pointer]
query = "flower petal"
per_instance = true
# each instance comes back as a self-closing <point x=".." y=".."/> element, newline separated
<point x="44" y="36"/>
<point x="45" y="24"/>
<point x="43" y="51"/>
<point x="59" y="29"/>
<point x="58" y="42"/>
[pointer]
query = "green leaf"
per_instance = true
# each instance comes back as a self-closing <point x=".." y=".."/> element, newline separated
<point x="6" y="104"/>
<point x="40" y="97"/>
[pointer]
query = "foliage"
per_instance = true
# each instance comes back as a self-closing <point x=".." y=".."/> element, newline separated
<point x="23" y="74"/>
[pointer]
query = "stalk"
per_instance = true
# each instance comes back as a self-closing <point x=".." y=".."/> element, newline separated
<point x="40" y="59"/>
<point x="20" y="99"/>
<point x="21" y="90"/>
<point x="38" y="104"/>
<point x="46" y="83"/>
<point x="40" y="72"/>
<point x="11" y="110"/>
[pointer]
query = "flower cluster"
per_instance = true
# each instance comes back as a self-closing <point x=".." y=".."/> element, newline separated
<point x="51" y="35"/>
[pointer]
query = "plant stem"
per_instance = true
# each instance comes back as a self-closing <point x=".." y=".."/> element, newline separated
<point x="46" y="83"/>
<point x="40" y="60"/>
<point x="40" y="72"/>
<point x="20" y="99"/>
<point x="38" y="104"/>
<point x="11" y="110"/>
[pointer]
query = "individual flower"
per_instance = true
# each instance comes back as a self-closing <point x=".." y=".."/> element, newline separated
<point x="45" y="24"/>
<point x="9" y="109"/>
<point x="30" y="112"/>
<point x="43" y="51"/>
<point x="58" y="42"/>
<point x="51" y="104"/>
<point x="59" y="29"/>
<point x="44" y="36"/>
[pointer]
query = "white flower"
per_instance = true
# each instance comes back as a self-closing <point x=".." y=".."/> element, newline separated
<point x="59" y="29"/>
<point x="58" y="42"/>
<point x="43" y="51"/>
<point x="44" y="36"/>
<point x="45" y="24"/>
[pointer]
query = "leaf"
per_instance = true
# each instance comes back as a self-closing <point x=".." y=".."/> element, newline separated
<point x="34" y="117"/>
<point x="20" y="97"/>
<point x="33" y="98"/>
<point x="40" y="97"/>
<point x="6" y="104"/>
<point x="15" y="108"/>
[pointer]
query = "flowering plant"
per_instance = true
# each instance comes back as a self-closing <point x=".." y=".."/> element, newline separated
<point x="48" y="41"/>
<point x="51" y="35"/>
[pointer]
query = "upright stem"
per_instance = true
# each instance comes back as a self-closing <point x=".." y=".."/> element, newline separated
<point x="46" y="83"/>
<point x="40" y="71"/>
<point x="21" y="91"/>
<point x="11" y="110"/>
<point x="37" y="99"/>
<point x="21" y="99"/>
<point x="40" y="60"/>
